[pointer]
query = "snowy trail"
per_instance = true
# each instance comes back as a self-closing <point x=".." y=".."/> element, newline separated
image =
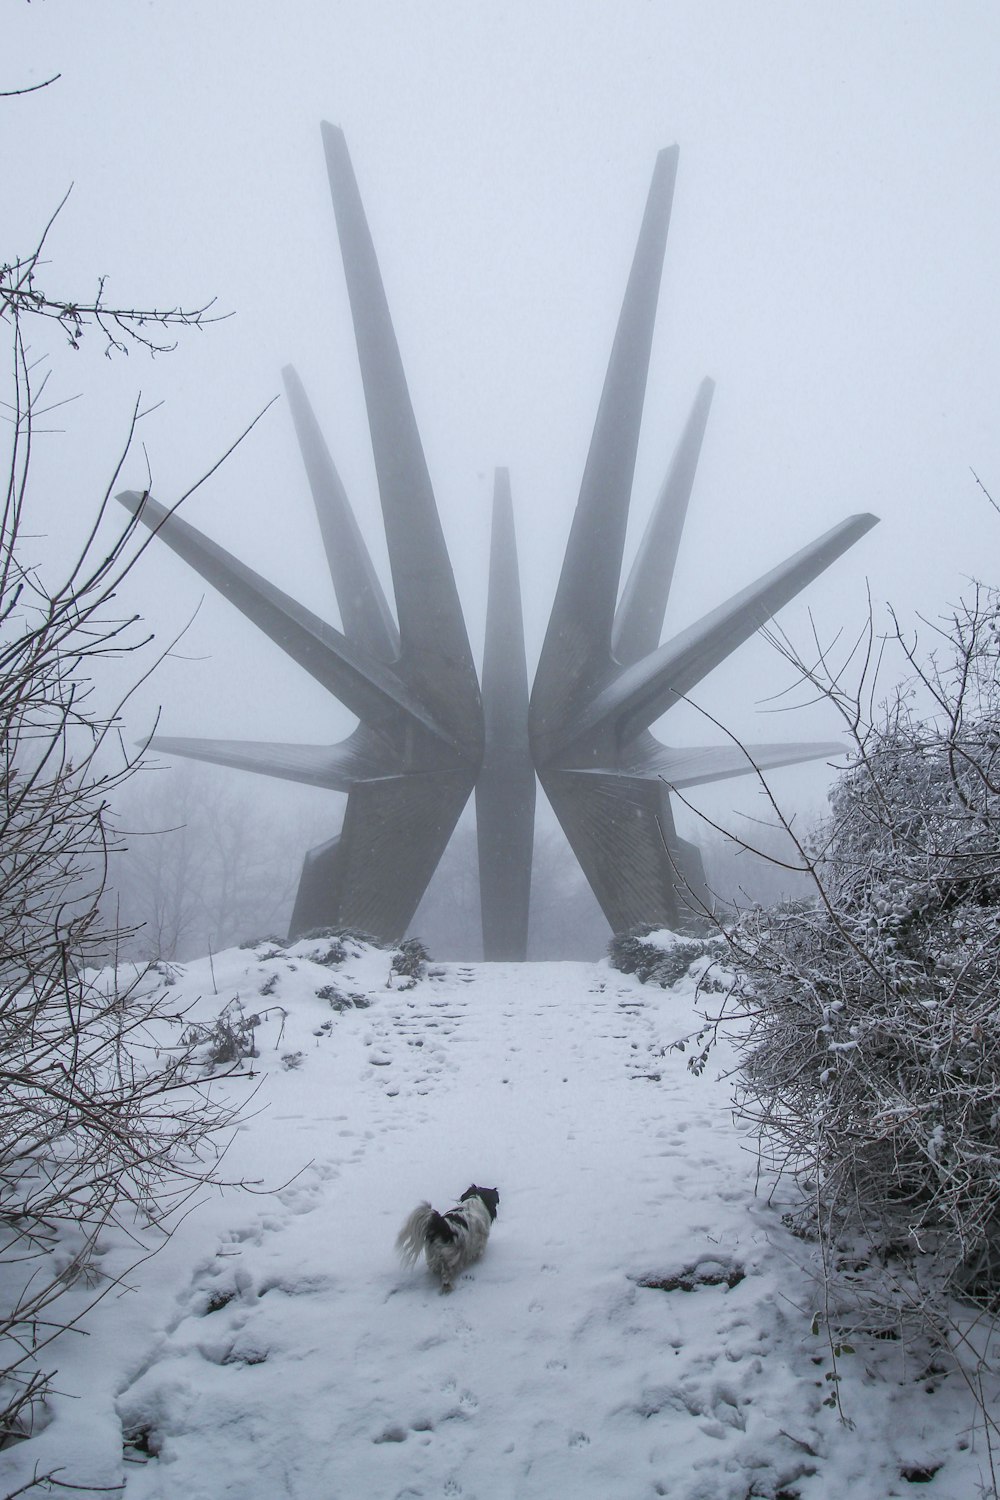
<point x="277" y="1348"/>
<point x="539" y="1375"/>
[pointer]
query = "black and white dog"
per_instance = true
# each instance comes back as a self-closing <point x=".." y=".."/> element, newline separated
<point x="453" y="1240"/>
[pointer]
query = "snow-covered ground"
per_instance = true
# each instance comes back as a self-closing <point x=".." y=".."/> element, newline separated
<point x="274" y="1347"/>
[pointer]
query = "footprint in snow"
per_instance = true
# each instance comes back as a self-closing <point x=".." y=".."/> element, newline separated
<point x="466" y="1401"/>
<point x="709" y="1271"/>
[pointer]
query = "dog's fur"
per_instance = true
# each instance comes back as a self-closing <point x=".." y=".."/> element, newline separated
<point x="453" y="1240"/>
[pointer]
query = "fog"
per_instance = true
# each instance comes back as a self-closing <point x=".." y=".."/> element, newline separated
<point x="831" y="263"/>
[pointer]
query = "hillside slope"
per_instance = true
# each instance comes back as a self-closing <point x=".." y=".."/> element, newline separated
<point x="275" y="1347"/>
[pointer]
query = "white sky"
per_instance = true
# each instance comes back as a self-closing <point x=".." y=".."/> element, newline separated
<point x="832" y="263"/>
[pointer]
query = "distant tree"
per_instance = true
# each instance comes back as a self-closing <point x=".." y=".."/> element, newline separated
<point x="203" y="864"/>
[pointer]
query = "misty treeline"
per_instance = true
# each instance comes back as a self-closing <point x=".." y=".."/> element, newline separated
<point x="207" y="858"/>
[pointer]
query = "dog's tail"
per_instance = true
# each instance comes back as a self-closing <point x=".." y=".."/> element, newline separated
<point x="412" y="1237"/>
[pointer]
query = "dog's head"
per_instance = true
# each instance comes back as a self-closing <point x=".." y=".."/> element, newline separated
<point x="489" y="1196"/>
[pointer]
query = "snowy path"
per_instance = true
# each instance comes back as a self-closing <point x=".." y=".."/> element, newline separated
<point x="277" y="1349"/>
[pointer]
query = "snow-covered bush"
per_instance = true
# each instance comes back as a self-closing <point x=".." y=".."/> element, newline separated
<point x="871" y="1068"/>
<point x="409" y="962"/>
<point x="657" y="956"/>
<point x="228" y="1039"/>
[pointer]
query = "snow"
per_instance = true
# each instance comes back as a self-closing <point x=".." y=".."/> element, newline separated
<point x="641" y="1324"/>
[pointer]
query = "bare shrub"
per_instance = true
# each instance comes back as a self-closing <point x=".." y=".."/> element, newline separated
<point x="227" y="1040"/>
<point x="24" y="298"/>
<point x="101" y="1122"/>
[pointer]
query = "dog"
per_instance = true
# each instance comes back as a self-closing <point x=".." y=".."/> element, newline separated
<point x="453" y="1240"/>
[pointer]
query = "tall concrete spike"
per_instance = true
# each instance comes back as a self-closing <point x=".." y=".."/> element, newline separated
<point x="505" y="791"/>
<point x="577" y="644"/>
<point x="336" y="767"/>
<point x="364" y="611"/>
<point x="366" y="686"/>
<point x="622" y="832"/>
<point x="696" y="765"/>
<point x="434" y="641"/>
<point x="639" y="617"/>
<point x="372" y="875"/>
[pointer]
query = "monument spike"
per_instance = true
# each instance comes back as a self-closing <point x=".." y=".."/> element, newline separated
<point x="411" y="764"/>
<point x="577" y="644"/>
<point x="639" y="617"/>
<point x="337" y="767"/>
<point x="644" y="692"/>
<point x="372" y="875"/>
<point x="364" y="611"/>
<point x="433" y="637"/>
<point x="621" y="830"/>
<point x="505" y="790"/>
<point x="367" y="687"/>
<point x="696" y="765"/>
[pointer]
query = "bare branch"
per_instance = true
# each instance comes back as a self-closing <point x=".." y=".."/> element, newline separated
<point x="29" y="88"/>
<point x="121" y="326"/>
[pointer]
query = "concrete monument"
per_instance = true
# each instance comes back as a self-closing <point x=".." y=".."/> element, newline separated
<point x="425" y="736"/>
